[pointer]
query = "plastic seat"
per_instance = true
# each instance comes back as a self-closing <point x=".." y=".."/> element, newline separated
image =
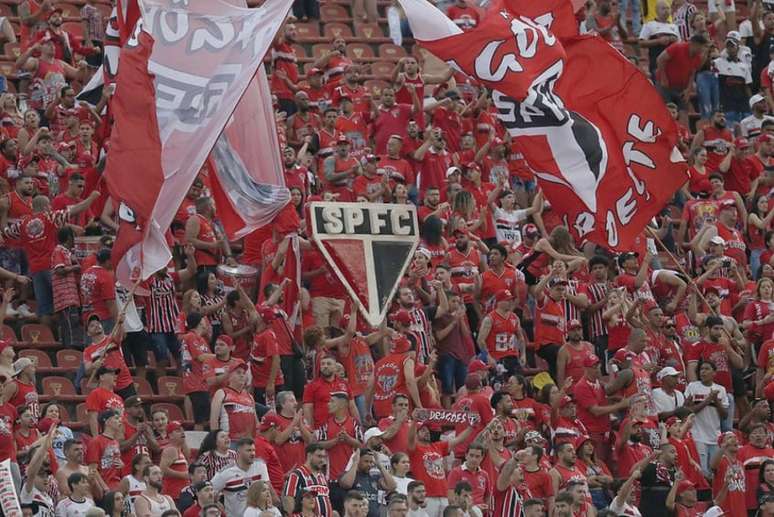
<point x="170" y="386"/>
<point x="375" y="85"/>
<point x="382" y="69"/>
<point x="320" y="49"/>
<point x="174" y="412"/>
<point x="368" y="30"/>
<point x="308" y="30"/>
<point x="359" y="51"/>
<point x="8" y="334"/>
<point x="69" y="358"/>
<point x="40" y="358"/>
<point x="143" y="387"/>
<point x="69" y="10"/>
<point x="391" y="51"/>
<point x="36" y="333"/>
<point x="81" y="413"/>
<point x="58" y="386"/>
<point x="74" y="28"/>
<point x="300" y="51"/>
<point x="337" y="30"/>
<point x="333" y="12"/>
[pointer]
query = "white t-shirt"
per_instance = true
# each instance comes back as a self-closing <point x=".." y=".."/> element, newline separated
<point x="508" y="224"/>
<point x="132" y="320"/>
<point x="664" y="402"/>
<point x="706" y="426"/>
<point x="654" y="28"/>
<point x="401" y="484"/>
<point x="238" y="481"/>
<point x="624" y="509"/>
<point x="67" y="507"/>
<point x="255" y="512"/>
<point x="751" y="125"/>
<point x="35" y="496"/>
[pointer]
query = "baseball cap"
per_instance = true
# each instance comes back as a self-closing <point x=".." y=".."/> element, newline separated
<point x="726" y="204"/>
<point x="373" y="432"/>
<point x="133" y="401"/>
<point x="557" y="281"/>
<point x="590" y="361"/>
<point x="477" y="365"/>
<point x="453" y="170"/>
<point x="765" y="139"/>
<point x="574" y="324"/>
<point x="340" y="395"/>
<point x="314" y="71"/>
<point x="755" y="99"/>
<point x="717" y="239"/>
<point x="671" y="421"/>
<point x="342" y="139"/>
<point x="712" y="289"/>
<point x="566" y="401"/>
<point x="402" y="316"/>
<point x="236" y="366"/>
<point x="20" y="364"/>
<point x="534" y="436"/>
<point x="685" y="485"/>
<point x="301" y="93"/>
<point x="396" y="136"/>
<point x="623" y="257"/>
<point x="503" y="295"/>
<point x="174" y="425"/>
<point x="741" y="143"/>
<point x="623" y="355"/>
<point x="531" y="230"/>
<point x="714" y="511"/>
<point x="733" y="36"/>
<point x="102" y="370"/>
<point x="666" y="372"/>
<point x="266" y="313"/>
<point x="225" y="339"/>
<point x="107" y="415"/>
<point x="401" y="344"/>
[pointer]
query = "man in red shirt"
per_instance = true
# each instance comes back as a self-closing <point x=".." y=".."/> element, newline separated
<point x="284" y="80"/>
<point x="592" y="406"/>
<point x="729" y="481"/>
<point x="318" y="393"/>
<point x="393" y="166"/>
<point x="102" y="398"/>
<point x="72" y="196"/>
<point x="98" y="291"/>
<point x="391" y="118"/>
<point x="265" y="358"/>
<point x="194" y="352"/>
<point x="106" y="350"/>
<point x="434" y="160"/>
<point x="471" y="472"/>
<point x="103" y="455"/>
<point x="675" y="68"/>
<point x="464" y="16"/>
<point x="340" y="435"/>
<point x="395" y="426"/>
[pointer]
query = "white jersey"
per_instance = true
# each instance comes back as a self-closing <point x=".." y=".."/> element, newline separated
<point x="43" y="502"/>
<point x="751" y="125"/>
<point x="157" y="508"/>
<point x="508" y="225"/>
<point x="233" y="483"/>
<point x="136" y="487"/>
<point x="68" y="507"/>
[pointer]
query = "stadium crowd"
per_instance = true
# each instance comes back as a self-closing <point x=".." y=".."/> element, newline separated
<point x="596" y="384"/>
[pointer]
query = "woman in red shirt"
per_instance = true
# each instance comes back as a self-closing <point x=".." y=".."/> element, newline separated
<point x="698" y="175"/>
<point x="598" y="475"/>
<point x="758" y="225"/>
<point x="758" y="321"/>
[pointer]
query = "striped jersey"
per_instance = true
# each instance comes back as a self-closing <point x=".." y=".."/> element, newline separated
<point x="233" y="483"/>
<point x="163" y="310"/>
<point x="302" y="478"/>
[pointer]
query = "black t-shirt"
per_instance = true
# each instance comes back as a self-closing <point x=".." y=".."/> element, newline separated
<point x="369" y="487"/>
<point x="760" y="58"/>
<point x="655" y="483"/>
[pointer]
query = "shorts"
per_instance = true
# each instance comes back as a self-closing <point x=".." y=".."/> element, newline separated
<point x="727" y="6"/>
<point x="323" y="307"/>
<point x="200" y="401"/>
<point x="125" y="393"/>
<point x="44" y="296"/>
<point x="135" y="346"/>
<point x="163" y="344"/>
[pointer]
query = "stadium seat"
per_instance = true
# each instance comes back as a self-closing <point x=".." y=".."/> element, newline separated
<point x="320" y="49"/>
<point x="368" y="30"/>
<point x="381" y="69"/>
<point x="80" y="412"/>
<point x="375" y="85"/>
<point x="69" y="10"/>
<point x="300" y="51"/>
<point x="60" y="388"/>
<point x="359" y="51"/>
<point x="74" y="28"/>
<point x="174" y="411"/>
<point x="143" y="387"/>
<point x="69" y="358"/>
<point x="391" y="51"/>
<point x="8" y="334"/>
<point x="170" y="386"/>
<point x="329" y="12"/>
<point x="308" y="30"/>
<point x="37" y="333"/>
<point x="40" y="358"/>
<point x="337" y="30"/>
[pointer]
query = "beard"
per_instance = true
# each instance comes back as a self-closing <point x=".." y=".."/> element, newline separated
<point x="158" y="485"/>
<point x="636" y="438"/>
<point x="720" y="124"/>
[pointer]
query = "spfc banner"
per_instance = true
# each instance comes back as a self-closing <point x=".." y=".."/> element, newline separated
<point x="369" y="246"/>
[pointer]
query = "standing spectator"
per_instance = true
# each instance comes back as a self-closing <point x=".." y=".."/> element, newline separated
<point x="104" y="454"/>
<point x="21" y="391"/>
<point x="233" y="482"/>
<point x="79" y="500"/>
<point x="463" y="15"/>
<point x="675" y="67"/>
<point x="287" y="430"/>
<point x="205" y="495"/>
<point x="151" y="501"/>
<point x="656" y="480"/>
<point x="359" y="477"/>
<point x="64" y="285"/>
<point x="509" y="490"/>
<point x="709" y="402"/>
<point x="434" y="161"/>
<point x="214" y="452"/>
<point x="27" y="433"/>
<point x="735" y="78"/>
<point x="390" y="118"/>
<point x="501" y="336"/>
<point x="455" y="346"/>
<point x="667" y="398"/>
<point x="194" y="352"/>
<point x="98" y="291"/>
<point x="103" y="397"/>
<point x="201" y="232"/>
<point x="106" y="351"/>
<point x="656" y="35"/>
<point x="233" y="407"/>
<point x="728" y="481"/>
<point x="174" y="461"/>
<point x="35" y="489"/>
<point x="471" y="472"/>
<point x="340" y="435"/>
<point x="138" y="433"/>
<point x="284" y="62"/>
<point x="73" y="463"/>
<point x="309" y="478"/>
<point x="753" y="456"/>
<point x="565" y="469"/>
<point x="317" y="394"/>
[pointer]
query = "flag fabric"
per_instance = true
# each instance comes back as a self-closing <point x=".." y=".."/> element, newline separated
<point x="183" y="71"/>
<point x="593" y="129"/>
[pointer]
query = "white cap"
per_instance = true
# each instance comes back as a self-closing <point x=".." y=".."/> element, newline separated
<point x="374" y="432"/>
<point x="734" y="35"/>
<point x="20" y="364"/>
<point x="451" y="170"/>
<point x="717" y="239"/>
<point x="665" y="372"/>
<point x="714" y="511"/>
<point x="755" y="99"/>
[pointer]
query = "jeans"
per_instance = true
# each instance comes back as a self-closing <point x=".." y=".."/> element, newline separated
<point x="734" y="117"/>
<point x="706" y="452"/>
<point x="709" y="93"/>
<point x="727" y="424"/>
<point x="623" y="6"/>
<point x="44" y="296"/>
<point x="452" y="372"/>
<point x="361" y="406"/>
<point x="755" y="262"/>
<point x="294" y="374"/>
<point x="70" y="328"/>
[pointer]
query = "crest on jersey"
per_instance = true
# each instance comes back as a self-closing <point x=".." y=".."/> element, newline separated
<point x="369" y="246"/>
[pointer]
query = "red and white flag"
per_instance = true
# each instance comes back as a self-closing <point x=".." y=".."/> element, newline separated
<point x="591" y="126"/>
<point x="183" y="71"/>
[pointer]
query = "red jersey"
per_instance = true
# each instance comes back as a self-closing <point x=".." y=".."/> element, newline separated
<point x="501" y="341"/>
<point x="192" y="346"/>
<point x="539" y="483"/>
<point x="464" y="268"/>
<point x="398" y="169"/>
<point x="339" y="454"/>
<point x="475" y="403"/>
<point x="391" y="121"/>
<point x="478" y="479"/>
<point x="735" y="245"/>
<point x="237" y="415"/>
<point x="715" y="352"/>
<point x="98" y="286"/>
<point x="264" y="349"/>
<point x="105" y="453"/>
<point x="697" y="213"/>
<point x="433" y="170"/>
<point x="102" y="399"/>
<point x="318" y="393"/>
<point x="26" y="394"/>
<point x="291" y="451"/>
<point x="283" y="57"/>
<point x="465" y="17"/>
<point x="113" y="359"/>
<point x="427" y="466"/>
<point x="140" y="446"/>
<point x="510" y="278"/>
<point x="730" y="472"/>
<point x="303" y="126"/>
<point x="549" y="322"/>
<point x="36" y="235"/>
<point x="355" y="127"/>
<point x="752" y="458"/>
<point x="588" y="395"/>
<point x="360" y="98"/>
<point x="389" y="380"/>
<point x="358" y="365"/>
<point x="174" y="486"/>
<point x="717" y="143"/>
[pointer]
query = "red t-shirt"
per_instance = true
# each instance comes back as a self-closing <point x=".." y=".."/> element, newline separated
<point x="539" y="483"/>
<point x="318" y="393"/>
<point x="339" y="454"/>
<point x="734" y="503"/>
<point x="192" y="346"/>
<point x="114" y="359"/>
<point x="358" y="365"/>
<point x="752" y="458"/>
<point x="291" y="452"/>
<point x="8" y="418"/>
<point x="427" y="466"/>
<point x="716" y="353"/>
<point x="264" y="349"/>
<point x="326" y="285"/>
<point x="98" y="285"/>
<point x="681" y="65"/>
<point x="586" y="396"/>
<point x="101" y="399"/>
<point x="106" y="454"/>
<point x="479" y="480"/>
<point x="433" y="170"/>
<point x="391" y="121"/>
<point x="476" y="403"/>
<point x="399" y="442"/>
<point x="36" y="235"/>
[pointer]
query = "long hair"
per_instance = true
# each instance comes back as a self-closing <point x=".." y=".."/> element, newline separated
<point x="210" y="441"/>
<point x="432" y="230"/>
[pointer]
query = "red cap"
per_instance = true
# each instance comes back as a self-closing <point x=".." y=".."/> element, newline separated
<point x="314" y="71"/>
<point x="237" y="365"/>
<point x="342" y="139"/>
<point x="728" y="203"/>
<point x="266" y="313"/>
<point x="503" y="295"/>
<point x="402" y="316"/>
<point x="477" y="365"/>
<point x="225" y="339"/>
<point x="401" y="344"/>
<point x="65" y="145"/>
<point x="671" y="421"/>
<point x="45" y="424"/>
<point x="574" y="324"/>
<point x="531" y="230"/>
<point x="765" y="138"/>
<point x="623" y="354"/>
<point x="579" y="441"/>
<point x="724" y="436"/>
<point x="55" y="10"/>
<point x="685" y="485"/>
<point x="649" y="306"/>
<point x="712" y="289"/>
<point x="173" y="426"/>
<point x="590" y="361"/>
<point x="741" y="143"/>
<point x="473" y="165"/>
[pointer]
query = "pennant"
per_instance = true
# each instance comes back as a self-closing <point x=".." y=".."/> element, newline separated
<point x="183" y="72"/>
<point x="369" y="246"/>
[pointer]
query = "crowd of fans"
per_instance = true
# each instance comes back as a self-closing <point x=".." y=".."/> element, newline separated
<point x="637" y="383"/>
